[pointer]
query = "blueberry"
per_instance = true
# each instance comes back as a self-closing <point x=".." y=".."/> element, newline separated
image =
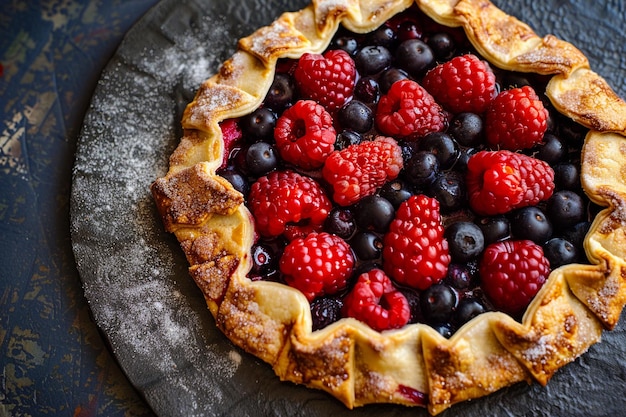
<point x="346" y="43"/>
<point x="261" y="158"/>
<point x="467" y="309"/>
<point x="396" y="192"/>
<point x="340" y="221"/>
<point x="566" y="176"/>
<point x="356" y="116"/>
<point x="531" y="223"/>
<point x="495" y="229"/>
<point x="560" y="252"/>
<point x="367" y="246"/>
<point x="374" y="213"/>
<point x="465" y="241"/>
<point x="347" y="138"/>
<point x="565" y="208"/>
<point x="372" y="59"/>
<point x="459" y="276"/>
<point x="415" y="57"/>
<point x="422" y="169"/>
<point x="264" y="261"/>
<point x="464" y="156"/>
<point x="466" y="129"/>
<point x="237" y="180"/>
<point x="367" y="90"/>
<point x="390" y="76"/>
<point x="413" y="298"/>
<point x="449" y="188"/>
<point x="442" y="45"/>
<point x="442" y="146"/>
<point x="551" y="149"/>
<point x="576" y="234"/>
<point x="444" y="329"/>
<point x="281" y="93"/>
<point x="572" y="133"/>
<point x="258" y="125"/>
<point x="383" y="36"/>
<point x="515" y="80"/>
<point x="325" y="311"/>
<point x="438" y="303"/>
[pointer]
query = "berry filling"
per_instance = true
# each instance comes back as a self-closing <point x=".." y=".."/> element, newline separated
<point x="398" y="178"/>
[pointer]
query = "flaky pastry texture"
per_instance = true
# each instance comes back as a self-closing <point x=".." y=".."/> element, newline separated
<point x="413" y="365"/>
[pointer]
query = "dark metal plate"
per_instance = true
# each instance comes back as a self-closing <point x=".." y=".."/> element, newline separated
<point x="135" y="275"/>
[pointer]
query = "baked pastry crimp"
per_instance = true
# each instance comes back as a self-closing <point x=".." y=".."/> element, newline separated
<point x="406" y="354"/>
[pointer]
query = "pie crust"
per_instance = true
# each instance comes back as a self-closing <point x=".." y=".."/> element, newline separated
<point x="413" y="365"/>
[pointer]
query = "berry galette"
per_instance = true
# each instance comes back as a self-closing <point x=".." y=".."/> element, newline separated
<point x="405" y="202"/>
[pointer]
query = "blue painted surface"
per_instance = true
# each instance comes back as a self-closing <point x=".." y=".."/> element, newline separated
<point x="53" y="361"/>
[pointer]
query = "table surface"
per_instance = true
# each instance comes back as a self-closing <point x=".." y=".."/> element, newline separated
<point x="53" y="359"/>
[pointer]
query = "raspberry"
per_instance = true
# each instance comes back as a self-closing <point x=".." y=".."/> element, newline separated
<point x="415" y="252"/>
<point x="305" y="135"/>
<point x="231" y="134"/>
<point x="328" y="79"/>
<point x="512" y="273"/>
<point x="408" y="111"/>
<point x="318" y="264"/>
<point x="285" y="202"/>
<point x="500" y="181"/>
<point x="359" y="170"/>
<point x="463" y="84"/>
<point x="516" y="119"/>
<point x="376" y="302"/>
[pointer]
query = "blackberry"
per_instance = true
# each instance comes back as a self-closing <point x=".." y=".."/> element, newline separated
<point x="565" y="208"/>
<point x="325" y="311"/>
<point x="367" y="246"/>
<point x="465" y="241"/>
<point x="356" y="116"/>
<point x="467" y="129"/>
<point x="258" y="125"/>
<point x="374" y="213"/>
<point x="340" y="221"/>
<point x="442" y="146"/>
<point x="372" y="59"/>
<point x="560" y="252"/>
<point x="261" y="158"/>
<point x="531" y="223"/>
<point x="415" y="57"/>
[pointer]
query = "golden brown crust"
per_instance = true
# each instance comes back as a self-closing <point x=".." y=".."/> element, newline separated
<point x="414" y="365"/>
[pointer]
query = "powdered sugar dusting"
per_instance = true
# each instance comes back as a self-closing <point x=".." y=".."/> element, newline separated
<point x="134" y="278"/>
